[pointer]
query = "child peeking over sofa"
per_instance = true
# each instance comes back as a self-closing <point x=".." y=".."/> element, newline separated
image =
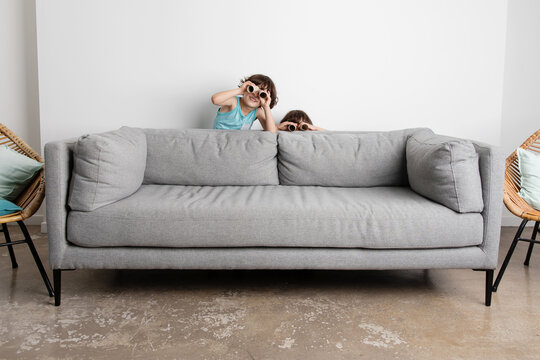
<point x="252" y="100"/>
<point x="297" y="120"/>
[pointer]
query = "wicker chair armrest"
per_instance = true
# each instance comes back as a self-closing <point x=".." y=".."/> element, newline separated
<point x="33" y="197"/>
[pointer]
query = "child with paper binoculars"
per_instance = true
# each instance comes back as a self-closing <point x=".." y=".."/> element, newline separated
<point x="252" y="100"/>
<point x="297" y="120"/>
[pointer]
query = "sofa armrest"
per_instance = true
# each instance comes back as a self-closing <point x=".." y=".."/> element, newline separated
<point x="491" y="163"/>
<point x="491" y="171"/>
<point x="59" y="164"/>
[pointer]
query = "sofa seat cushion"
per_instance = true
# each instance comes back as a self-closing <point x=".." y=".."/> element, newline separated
<point x="275" y="216"/>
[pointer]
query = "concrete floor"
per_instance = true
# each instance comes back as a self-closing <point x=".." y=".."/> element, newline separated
<point x="435" y="314"/>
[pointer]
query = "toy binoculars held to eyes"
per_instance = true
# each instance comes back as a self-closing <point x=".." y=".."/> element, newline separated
<point x="252" y="89"/>
<point x="293" y="127"/>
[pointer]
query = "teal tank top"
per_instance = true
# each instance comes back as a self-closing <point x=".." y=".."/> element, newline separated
<point x="234" y="120"/>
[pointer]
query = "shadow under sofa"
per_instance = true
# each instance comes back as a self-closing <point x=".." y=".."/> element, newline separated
<point x="216" y="199"/>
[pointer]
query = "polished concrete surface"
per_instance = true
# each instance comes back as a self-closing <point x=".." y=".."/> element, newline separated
<point x="105" y="314"/>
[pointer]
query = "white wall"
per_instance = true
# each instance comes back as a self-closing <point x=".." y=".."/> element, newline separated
<point x="521" y="104"/>
<point x="352" y="65"/>
<point x="18" y="66"/>
<point x="19" y="104"/>
<point x="170" y="87"/>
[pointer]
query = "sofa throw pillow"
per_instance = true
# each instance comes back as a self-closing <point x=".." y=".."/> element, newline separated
<point x="107" y="167"/>
<point x="7" y="207"/>
<point x="16" y="172"/>
<point x="529" y="167"/>
<point x="445" y="170"/>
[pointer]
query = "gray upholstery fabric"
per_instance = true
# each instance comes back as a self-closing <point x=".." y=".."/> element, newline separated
<point x="64" y="255"/>
<point x="348" y="159"/>
<point x="108" y="167"/>
<point x="289" y="216"/>
<point x="211" y="157"/>
<point x="445" y="170"/>
<point x="491" y="161"/>
<point x="76" y="257"/>
<point x="59" y="160"/>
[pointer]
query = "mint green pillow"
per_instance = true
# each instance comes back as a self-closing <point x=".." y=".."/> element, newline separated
<point x="16" y="172"/>
<point x="529" y="167"/>
<point x="7" y="207"/>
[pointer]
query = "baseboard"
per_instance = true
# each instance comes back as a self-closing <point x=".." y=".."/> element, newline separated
<point x="35" y="220"/>
<point x="513" y="221"/>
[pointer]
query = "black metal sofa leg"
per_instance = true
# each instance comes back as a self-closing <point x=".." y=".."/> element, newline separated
<point x="14" y="264"/>
<point x="36" y="257"/>
<point x="509" y="254"/>
<point x="57" y="279"/>
<point x="531" y="245"/>
<point x="489" y="286"/>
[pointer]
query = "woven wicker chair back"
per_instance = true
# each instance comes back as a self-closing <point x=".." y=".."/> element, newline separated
<point x="31" y="198"/>
<point x="512" y="182"/>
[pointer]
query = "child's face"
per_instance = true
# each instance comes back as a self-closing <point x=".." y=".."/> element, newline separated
<point x="253" y="99"/>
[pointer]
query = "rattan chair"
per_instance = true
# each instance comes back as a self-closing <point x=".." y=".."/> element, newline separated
<point x="29" y="200"/>
<point x="518" y="206"/>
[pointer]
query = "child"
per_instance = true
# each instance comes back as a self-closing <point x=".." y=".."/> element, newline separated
<point x="297" y="120"/>
<point x="253" y="99"/>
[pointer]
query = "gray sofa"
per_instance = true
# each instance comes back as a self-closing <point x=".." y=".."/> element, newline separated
<point x="216" y="199"/>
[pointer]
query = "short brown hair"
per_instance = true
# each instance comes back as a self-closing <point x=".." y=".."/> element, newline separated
<point x="297" y="116"/>
<point x="266" y="83"/>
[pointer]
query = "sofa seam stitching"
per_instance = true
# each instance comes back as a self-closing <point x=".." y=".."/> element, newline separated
<point x="97" y="179"/>
<point x="454" y="176"/>
<point x="266" y="219"/>
<point x="489" y="195"/>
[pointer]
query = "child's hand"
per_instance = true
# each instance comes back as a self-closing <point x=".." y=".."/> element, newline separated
<point x="265" y="103"/>
<point x="284" y="126"/>
<point x="245" y="86"/>
<point x="309" y="126"/>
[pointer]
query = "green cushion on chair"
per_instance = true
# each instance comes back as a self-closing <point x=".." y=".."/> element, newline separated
<point x="16" y="172"/>
<point x="529" y="167"/>
<point x="7" y="207"/>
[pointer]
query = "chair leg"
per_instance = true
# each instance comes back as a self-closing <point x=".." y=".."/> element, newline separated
<point x="14" y="264"/>
<point x="36" y="258"/>
<point x="57" y="279"/>
<point x="489" y="286"/>
<point x="509" y="254"/>
<point x="531" y="245"/>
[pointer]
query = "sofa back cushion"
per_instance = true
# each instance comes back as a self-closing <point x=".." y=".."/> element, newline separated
<point x="211" y="157"/>
<point x="107" y="167"/>
<point x="346" y="159"/>
<point x="445" y="170"/>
